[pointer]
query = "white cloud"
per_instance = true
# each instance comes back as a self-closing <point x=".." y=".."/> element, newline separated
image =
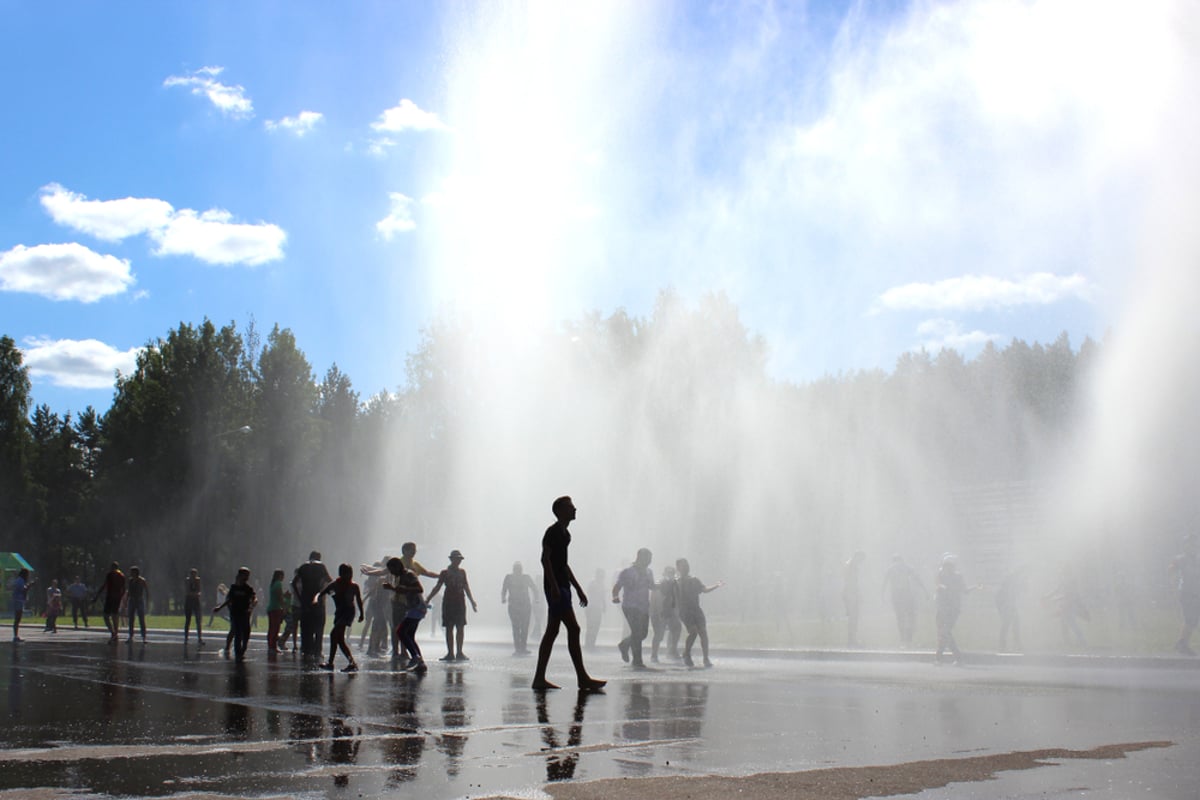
<point x="399" y="218"/>
<point x="63" y="272"/>
<point x="298" y="125"/>
<point x="111" y="220"/>
<point x="979" y="292"/>
<point x="408" y="117"/>
<point x="229" y="100"/>
<point x="379" y="147"/>
<point x="210" y="236"/>
<point x="77" y="364"/>
<point x="945" y="334"/>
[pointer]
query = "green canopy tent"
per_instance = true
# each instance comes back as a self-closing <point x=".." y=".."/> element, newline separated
<point x="10" y="565"/>
<point x="14" y="563"/>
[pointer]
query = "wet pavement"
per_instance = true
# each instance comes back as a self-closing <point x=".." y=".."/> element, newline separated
<point x="85" y="718"/>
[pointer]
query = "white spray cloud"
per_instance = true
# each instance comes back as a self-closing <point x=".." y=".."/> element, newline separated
<point x="77" y="364"/>
<point x="1130" y="485"/>
<point x="917" y="149"/>
<point x="229" y="100"/>
<point x="957" y="154"/>
<point x="67" y="271"/>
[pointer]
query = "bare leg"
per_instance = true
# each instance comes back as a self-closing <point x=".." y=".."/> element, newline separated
<point x="687" y="645"/>
<point x="575" y="648"/>
<point x="544" y="650"/>
<point x="337" y="641"/>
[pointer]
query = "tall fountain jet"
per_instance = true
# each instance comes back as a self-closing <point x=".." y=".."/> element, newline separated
<point x="677" y="260"/>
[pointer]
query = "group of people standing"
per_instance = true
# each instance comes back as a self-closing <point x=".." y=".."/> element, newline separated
<point x="123" y="595"/>
<point x="903" y="585"/>
<point x="1064" y="601"/>
<point x="397" y="603"/>
<point x="667" y="605"/>
<point x="395" y="584"/>
<point x="632" y="591"/>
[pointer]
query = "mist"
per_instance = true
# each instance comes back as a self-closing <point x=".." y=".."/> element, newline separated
<point x="660" y="285"/>
<point x="760" y="287"/>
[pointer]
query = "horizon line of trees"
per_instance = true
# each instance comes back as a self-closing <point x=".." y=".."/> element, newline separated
<point x="223" y="445"/>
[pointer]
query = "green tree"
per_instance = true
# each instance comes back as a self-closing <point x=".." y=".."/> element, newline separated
<point x="62" y="487"/>
<point x="339" y="495"/>
<point x="171" y="461"/>
<point x="14" y="446"/>
<point x="285" y="441"/>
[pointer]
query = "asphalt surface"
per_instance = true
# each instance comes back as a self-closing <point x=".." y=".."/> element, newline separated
<point x="85" y="718"/>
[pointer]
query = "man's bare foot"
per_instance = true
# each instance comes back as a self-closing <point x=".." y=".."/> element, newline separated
<point x="592" y="685"/>
<point x="541" y="686"/>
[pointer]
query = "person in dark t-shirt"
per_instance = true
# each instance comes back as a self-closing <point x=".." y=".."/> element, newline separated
<point x="193" y="590"/>
<point x="240" y="599"/>
<point x="690" y="613"/>
<point x="311" y="579"/>
<point x="948" y="600"/>
<point x="557" y="582"/>
<point x="113" y="590"/>
<point x="135" y="607"/>
<point x="346" y="594"/>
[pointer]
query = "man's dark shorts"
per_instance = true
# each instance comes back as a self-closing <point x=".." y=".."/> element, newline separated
<point x="560" y="605"/>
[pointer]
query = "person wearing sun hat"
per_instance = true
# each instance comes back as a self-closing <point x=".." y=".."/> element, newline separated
<point x="454" y="606"/>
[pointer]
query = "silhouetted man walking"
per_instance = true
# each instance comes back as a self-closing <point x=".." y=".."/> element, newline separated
<point x="558" y="580"/>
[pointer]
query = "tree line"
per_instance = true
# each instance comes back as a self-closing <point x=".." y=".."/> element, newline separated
<point x="223" y="445"/>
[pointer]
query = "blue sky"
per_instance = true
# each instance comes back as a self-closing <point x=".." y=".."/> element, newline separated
<point x="861" y="180"/>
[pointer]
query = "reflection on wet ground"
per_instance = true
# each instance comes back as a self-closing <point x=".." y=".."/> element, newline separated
<point x="162" y="720"/>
